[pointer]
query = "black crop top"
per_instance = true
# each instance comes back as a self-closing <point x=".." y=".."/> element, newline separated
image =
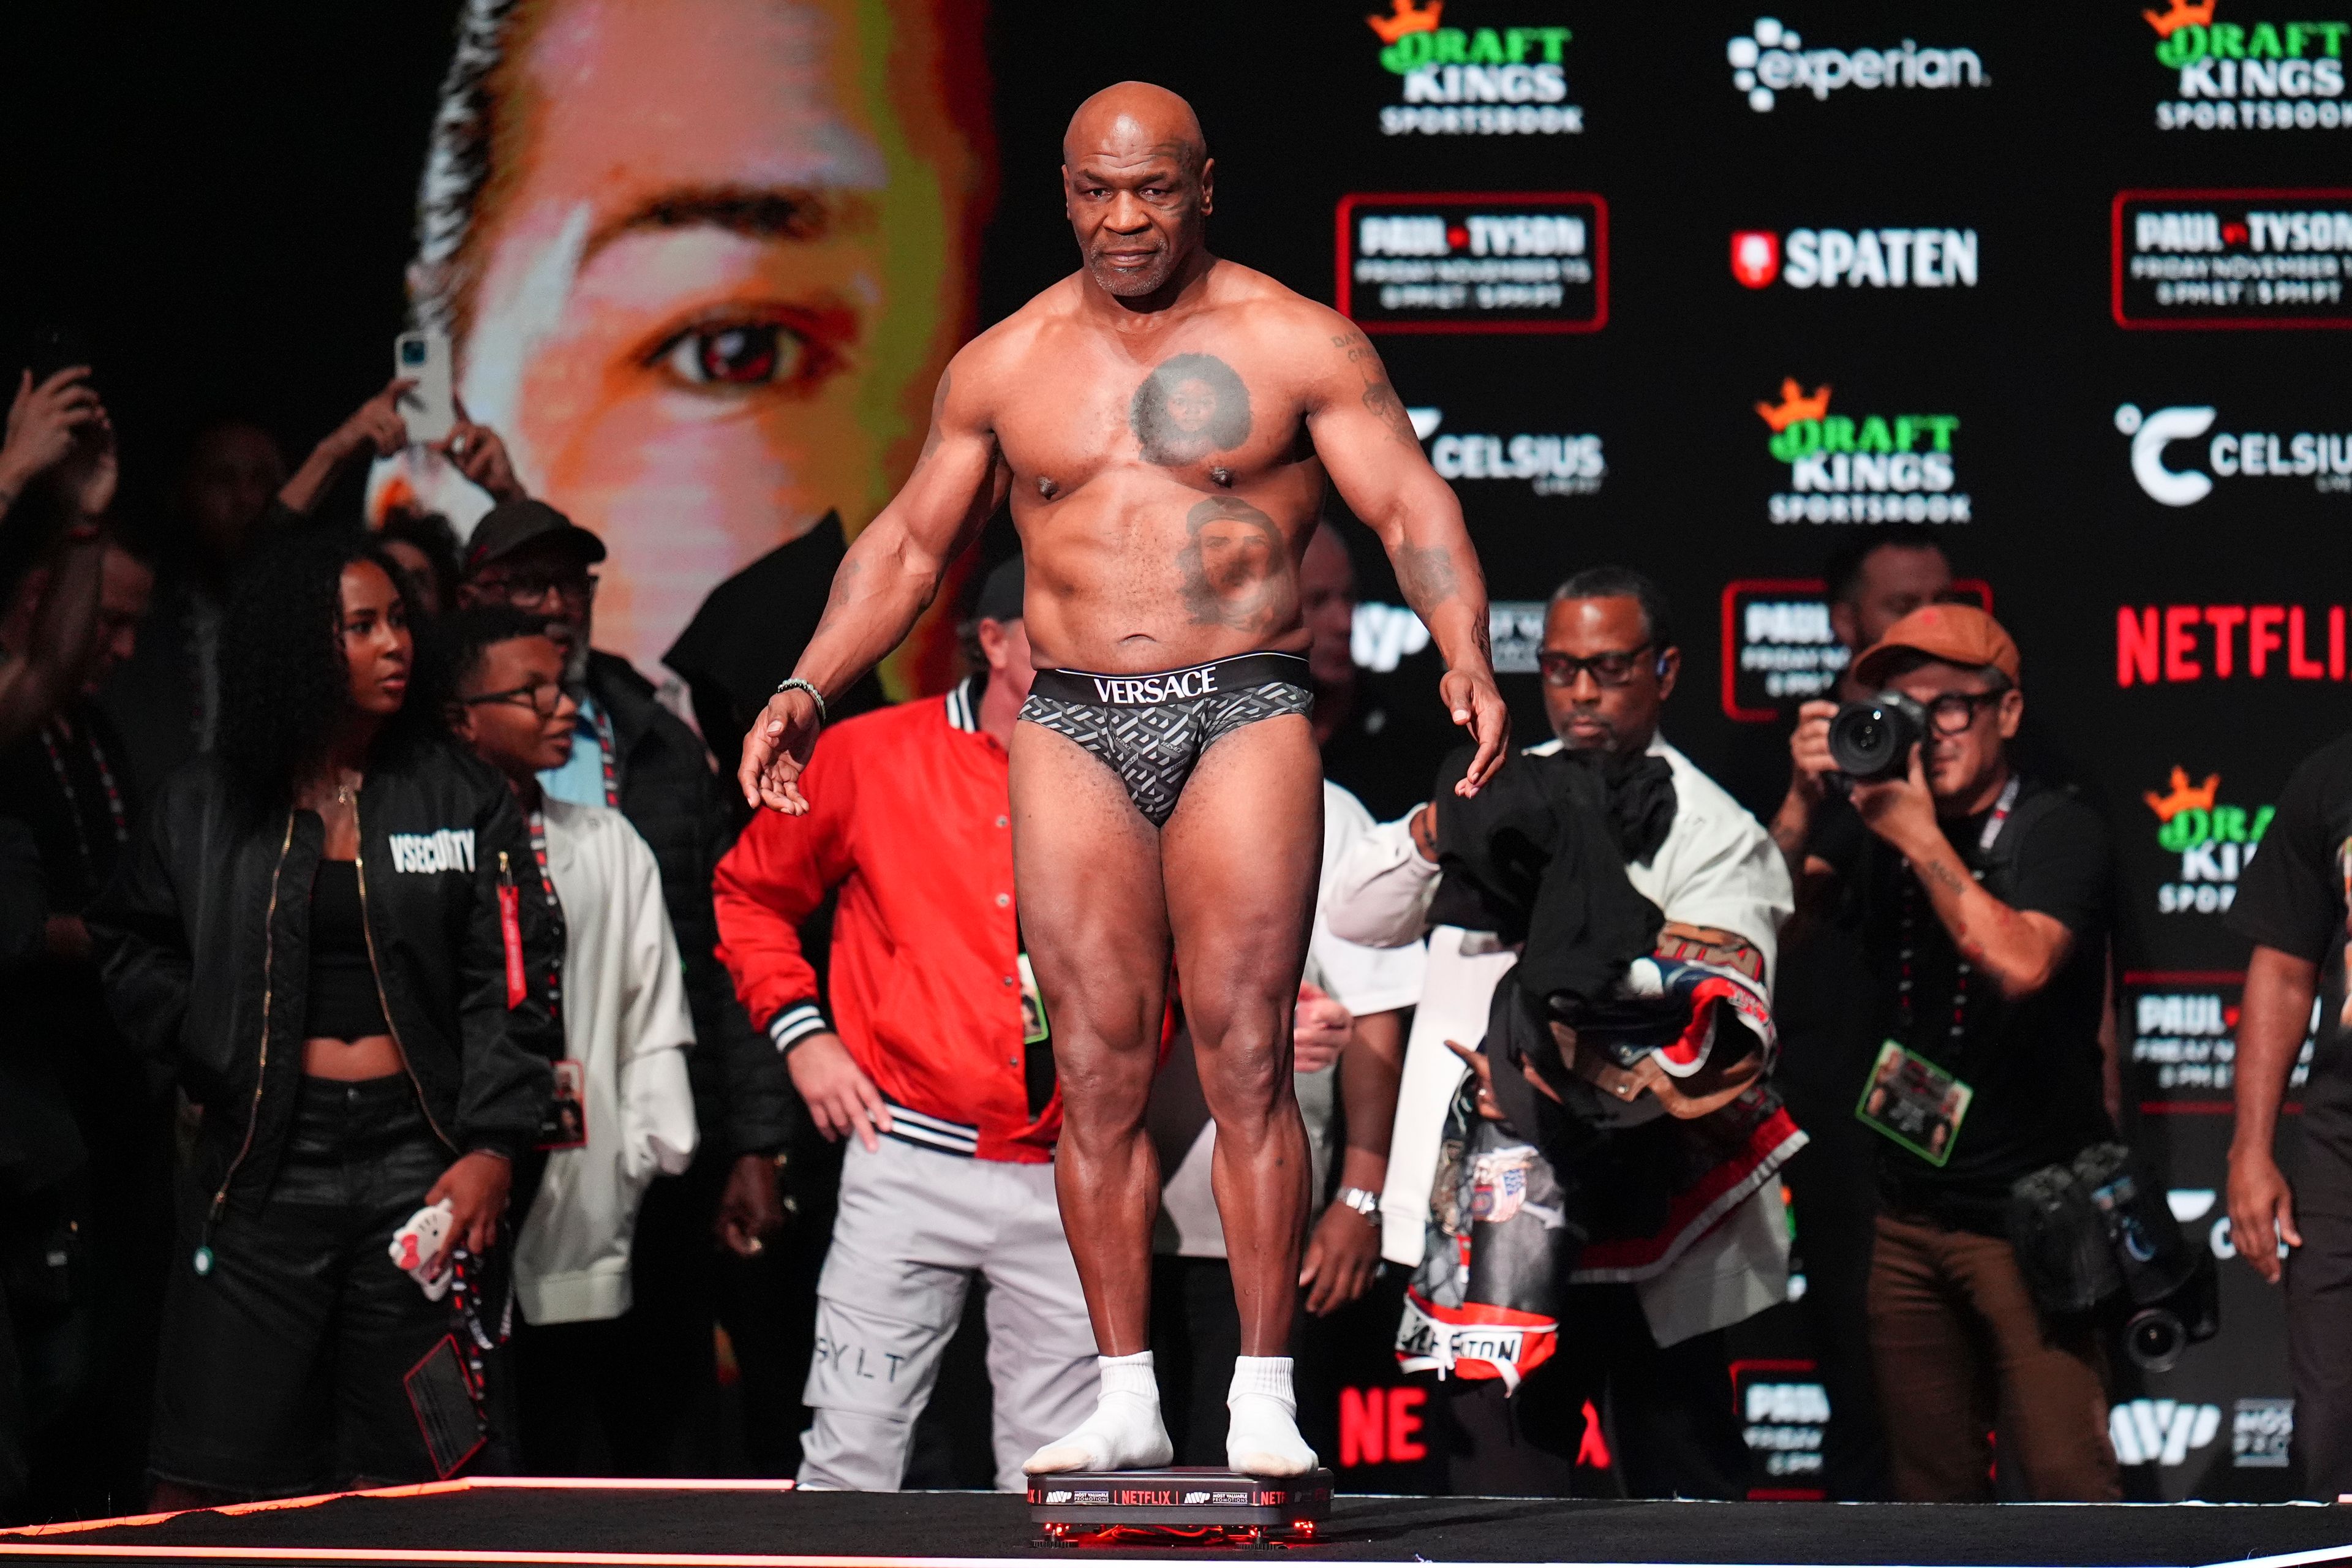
<point x="344" y="1004"/>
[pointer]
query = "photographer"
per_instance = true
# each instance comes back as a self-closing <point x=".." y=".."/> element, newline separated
<point x="2292" y="906"/>
<point x="1981" y="899"/>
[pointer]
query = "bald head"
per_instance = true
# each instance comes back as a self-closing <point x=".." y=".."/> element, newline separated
<point x="1135" y="117"/>
<point x="1139" y="185"/>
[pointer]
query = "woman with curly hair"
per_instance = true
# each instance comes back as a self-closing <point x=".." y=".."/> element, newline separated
<point x="317" y="929"/>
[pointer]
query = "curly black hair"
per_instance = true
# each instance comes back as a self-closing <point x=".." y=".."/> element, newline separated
<point x="283" y="682"/>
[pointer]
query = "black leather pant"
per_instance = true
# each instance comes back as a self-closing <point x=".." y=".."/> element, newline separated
<point x="282" y="1364"/>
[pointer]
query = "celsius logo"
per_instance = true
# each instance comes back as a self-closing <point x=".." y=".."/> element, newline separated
<point x="1770" y="59"/>
<point x="1864" y="259"/>
<point x="1879" y="469"/>
<point x="2323" y="457"/>
<point x="2266" y="76"/>
<point x="1472" y="81"/>
<point x="1553" y="465"/>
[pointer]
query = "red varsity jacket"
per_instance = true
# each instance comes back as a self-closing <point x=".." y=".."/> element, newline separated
<point x="909" y="817"/>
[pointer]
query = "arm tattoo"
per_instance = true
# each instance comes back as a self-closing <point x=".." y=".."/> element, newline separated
<point x="1952" y="881"/>
<point x="939" y="413"/>
<point x="1231" y="565"/>
<point x="1187" y="407"/>
<point x="1379" y="397"/>
<point x="1425" y="573"/>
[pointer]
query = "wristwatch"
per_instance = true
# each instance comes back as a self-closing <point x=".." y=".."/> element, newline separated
<point x="1363" y="1200"/>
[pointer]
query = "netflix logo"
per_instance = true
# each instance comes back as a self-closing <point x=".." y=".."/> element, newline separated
<point x="2160" y="644"/>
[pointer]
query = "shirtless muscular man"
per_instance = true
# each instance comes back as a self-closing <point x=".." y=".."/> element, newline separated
<point x="1165" y="422"/>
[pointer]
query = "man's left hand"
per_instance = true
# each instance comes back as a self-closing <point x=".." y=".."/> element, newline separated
<point x="1342" y="1256"/>
<point x="749" y="1211"/>
<point x="1902" y="810"/>
<point x="1475" y="704"/>
<point x="1321" y="1028"/>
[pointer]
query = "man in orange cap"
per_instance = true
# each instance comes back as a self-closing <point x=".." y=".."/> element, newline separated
<point x="1981" y="898"/>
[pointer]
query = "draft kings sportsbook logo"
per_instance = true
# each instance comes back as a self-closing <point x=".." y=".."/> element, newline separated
<point x="1473" y="80"/>
<point x="2216" y="843"/>
<point x="2241" y="74"/>
<point x="1880" y="467"/>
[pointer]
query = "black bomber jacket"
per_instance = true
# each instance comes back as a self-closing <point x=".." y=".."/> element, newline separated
<point x="204" y="939"/>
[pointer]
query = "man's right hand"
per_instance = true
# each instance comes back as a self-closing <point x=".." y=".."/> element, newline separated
<point x="1809" y="751"/>
<point x="2261" y="1211"/>
<point x="43" y="423"/>
<point x="840" y="1097"/>
<point x="775" y="750"/>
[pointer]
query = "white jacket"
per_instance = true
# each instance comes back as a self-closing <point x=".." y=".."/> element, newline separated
<point x="625" y="1019"/>
<point x="1716" y="868"/>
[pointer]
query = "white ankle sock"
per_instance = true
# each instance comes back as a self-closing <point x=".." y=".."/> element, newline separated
<point x="1125" y="1433"/>
<point x="1262" y="1432"/>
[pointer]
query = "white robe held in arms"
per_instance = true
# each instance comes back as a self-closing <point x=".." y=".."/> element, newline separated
<point x="625" y="1022"/>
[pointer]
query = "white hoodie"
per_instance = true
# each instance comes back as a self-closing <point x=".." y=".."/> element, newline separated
<point x="625" y="1019"/>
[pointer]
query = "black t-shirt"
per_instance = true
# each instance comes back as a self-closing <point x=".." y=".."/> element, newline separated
<point x="2292" y="898"/>
<point x="2034" y="1063"/>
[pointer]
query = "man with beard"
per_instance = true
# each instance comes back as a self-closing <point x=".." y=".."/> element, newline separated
<point x="631" y="753"/>
<point x="1164" y="422"/>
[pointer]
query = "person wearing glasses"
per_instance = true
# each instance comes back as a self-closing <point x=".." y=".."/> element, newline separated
<point x="1979" y="897"/>
<point x="631" y="753"/>
<point x="1648" y="1350"/>
<point x="623" y="1110"/>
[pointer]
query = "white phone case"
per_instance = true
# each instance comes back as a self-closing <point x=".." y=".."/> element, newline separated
<point x="429" y="407"/>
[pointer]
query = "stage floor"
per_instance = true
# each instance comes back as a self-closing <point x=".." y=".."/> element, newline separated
<point x="757" y="1524"/>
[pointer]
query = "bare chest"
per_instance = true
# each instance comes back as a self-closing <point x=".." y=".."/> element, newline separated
<point x="1208" y="414"/>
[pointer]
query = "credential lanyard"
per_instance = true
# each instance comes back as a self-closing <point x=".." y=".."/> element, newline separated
<point x="1906" y="955"/>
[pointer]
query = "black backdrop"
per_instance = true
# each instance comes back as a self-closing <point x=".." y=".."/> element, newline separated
<point x="222" y="196"/>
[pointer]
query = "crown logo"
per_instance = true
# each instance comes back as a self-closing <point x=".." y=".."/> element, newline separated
<point x="1794" y="405"/>
<point x="2185" y="796"/>
<point x="1407" y="16"/>
<point x="2184" y="12"/>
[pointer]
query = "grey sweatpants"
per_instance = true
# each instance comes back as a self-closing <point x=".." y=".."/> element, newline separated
<point x="915" y="1227"/>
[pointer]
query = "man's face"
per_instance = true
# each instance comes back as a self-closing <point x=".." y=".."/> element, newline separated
<point x="232" y="472"/>
<point x="1896" y="580"/>
<point x="1326" y="603"/>
<point x="1139" y="210"/>
<point x="1235" y="555"/>
<point x="513" y="708"/>
<point x="1006" y="646"/>
<point x="125" y="589"/>
<point x="1965" y="743"/>
<point x="720" y="262"/>
<point x="1588" y="714"/>
<point x="546" y="576"/>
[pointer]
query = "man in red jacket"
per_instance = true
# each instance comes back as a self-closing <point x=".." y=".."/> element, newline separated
<point x="938" y="1056"/>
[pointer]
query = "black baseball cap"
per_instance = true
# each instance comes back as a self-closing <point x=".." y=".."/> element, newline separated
<point x="1001" y="594"/>
<point x="511" y="524"/>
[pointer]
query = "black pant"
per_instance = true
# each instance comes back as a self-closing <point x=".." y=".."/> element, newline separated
<point x="283" y="1363"/>
<point x="1672" y="1428"/>
<point x="2319" y="1318"/>
<point x="1833" y="1186"/>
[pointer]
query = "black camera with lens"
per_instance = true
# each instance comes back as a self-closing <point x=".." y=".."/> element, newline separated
<point x="2097" y="1235"/>
<point x="1872" y="738"/>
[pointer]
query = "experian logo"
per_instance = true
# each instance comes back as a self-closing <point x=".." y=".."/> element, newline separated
<point x="1770" y="59"/>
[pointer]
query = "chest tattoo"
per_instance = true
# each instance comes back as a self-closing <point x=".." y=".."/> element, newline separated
<point x="1187" y="407"/>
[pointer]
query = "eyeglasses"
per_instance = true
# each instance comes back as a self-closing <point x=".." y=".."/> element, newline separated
<point x="541" y="697"/>
<point x="1955" y="711"/>
<point x="527" y="586"/>
<point x="1608" y="669"/>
